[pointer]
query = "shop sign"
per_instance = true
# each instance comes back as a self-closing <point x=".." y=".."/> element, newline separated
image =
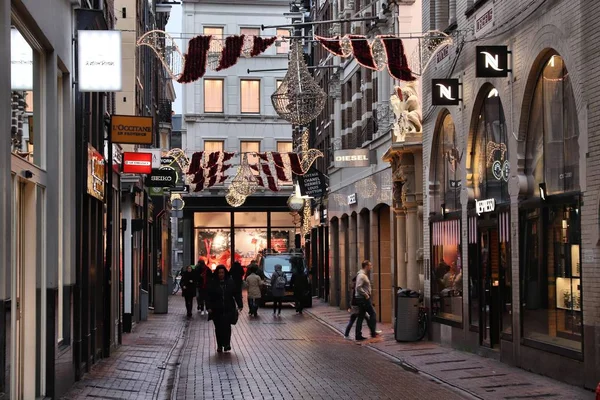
<point x="484" y="20"/>
<point x="137" y="163"/>
<point x="156" y="157"/>
<point x="352" y="199"/>
<point x="156" y="191"/>
<point x="492" y="61"/>
<point x="130" y="129"/>
<point x="180" y="189"/>
<point x="95" y="183"/>
<point x="455" y="184"/>
<point x="444" y="92"/>
<point x="99" y="56"/>
<point x="21" y="62"/>
<point x="485" y="206"/>
<point x="166" y="161"/>
<point x="162" y="178"/>
<point x="442" y="54"/>
<point x="312" y="184"/>
<point x="351" y="158"/>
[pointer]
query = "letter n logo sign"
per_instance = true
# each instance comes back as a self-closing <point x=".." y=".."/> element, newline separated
<point x="492" y="61"/>
<point x="444" y="92"/>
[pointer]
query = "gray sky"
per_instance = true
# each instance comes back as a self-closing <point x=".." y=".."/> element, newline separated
<point x="174" y="26"/>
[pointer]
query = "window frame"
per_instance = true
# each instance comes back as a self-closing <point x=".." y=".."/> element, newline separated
<point x="242" y="96"/>
<point x="222" y="95"/>
<point x="255" y="28"/>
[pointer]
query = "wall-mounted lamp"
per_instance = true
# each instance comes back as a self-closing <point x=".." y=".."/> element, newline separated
<point x="543" y="191"/>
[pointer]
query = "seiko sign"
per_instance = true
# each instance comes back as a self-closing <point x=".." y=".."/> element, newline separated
<point x="444" y="92"/>
<point x="492" y="61"/>
<point x="352" y="158"/>
<point x="485" y="206"/>
<point x="162" y="178"/>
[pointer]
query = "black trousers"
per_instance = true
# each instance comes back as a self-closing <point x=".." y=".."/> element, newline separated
<point x="189" y="302"/>
<point x="201" y="298"/>
<point x="222" y="330"/>
<point x="277" y="303"/>
<point x="299" y="306"/>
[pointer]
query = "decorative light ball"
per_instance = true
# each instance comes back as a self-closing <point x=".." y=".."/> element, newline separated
<point x="295" y="203"/>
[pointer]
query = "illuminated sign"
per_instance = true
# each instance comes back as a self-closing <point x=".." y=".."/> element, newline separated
<point x="351" y="158"/>
<point x="162" y="178"/>
<point x="485" y="206"/>
<point x="137" y="163"/>
<point x="492" y="61"/>
<point x="352" y="199"/>
<point x="95" y="186"/>
<point x="131" y="130"/>
<point x="99" y="61"/>
<point x="444" y="92"/>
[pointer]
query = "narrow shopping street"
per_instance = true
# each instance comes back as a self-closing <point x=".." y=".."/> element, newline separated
<point x="292" y="357"/>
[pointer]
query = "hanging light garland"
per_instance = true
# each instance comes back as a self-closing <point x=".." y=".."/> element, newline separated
<point x="306" y="214"/>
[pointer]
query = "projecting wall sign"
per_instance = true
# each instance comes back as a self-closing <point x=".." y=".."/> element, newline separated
<point x="444" y="92"/>
<point x="352" y="199"/>
<point x="485" y="206"/>
<point x="492" y="61"/>
<point x="352" y="158"/>
<point x="162" y="178"/>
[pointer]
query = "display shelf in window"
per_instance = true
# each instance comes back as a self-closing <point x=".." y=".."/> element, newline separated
<point x="568" y="294"/>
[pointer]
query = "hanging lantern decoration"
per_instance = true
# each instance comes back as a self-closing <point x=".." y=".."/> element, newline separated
<point x="244" y="181"/>
<point x="299" y="99"/>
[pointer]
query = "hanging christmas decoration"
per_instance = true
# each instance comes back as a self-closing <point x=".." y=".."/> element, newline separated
<point x="298" y="99"/>
<point x="362" y="51"/>
<point x="244" y="181"/>
<point x="397" y="62"/>
<point x="204" y="52"/>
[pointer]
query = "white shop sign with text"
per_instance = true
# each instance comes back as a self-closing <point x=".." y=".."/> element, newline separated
<point x="485" y="206"/>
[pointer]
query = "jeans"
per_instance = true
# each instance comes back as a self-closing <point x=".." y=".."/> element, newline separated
<point x="253" y="306"/>
<point x="222" y="330"/>
<point x="353" y="318"/>
<point x="366" y="307"/>
<point x="277" y="301"/>
<point x="201" y="298"/>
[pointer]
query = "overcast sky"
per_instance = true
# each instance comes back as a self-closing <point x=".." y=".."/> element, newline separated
<point x="174" y="26"/>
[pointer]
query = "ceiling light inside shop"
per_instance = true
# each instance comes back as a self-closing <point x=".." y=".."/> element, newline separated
<point x="493" y="93"/>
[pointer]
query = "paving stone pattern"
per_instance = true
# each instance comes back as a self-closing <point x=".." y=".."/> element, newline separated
<point x="481" y="377"/>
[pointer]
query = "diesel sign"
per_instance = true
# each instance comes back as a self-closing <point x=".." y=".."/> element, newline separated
<point x="351" y="158"/>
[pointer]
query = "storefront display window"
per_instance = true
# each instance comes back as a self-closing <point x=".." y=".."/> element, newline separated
<point x="446" y="168"/>
<point x="214" y="247"/>
<point x="550" y="230"/>
<point x="446" y="270"/>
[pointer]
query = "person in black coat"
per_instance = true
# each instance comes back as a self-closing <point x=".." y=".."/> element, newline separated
<point x="237" y="274"/>
<point x="223" y="297"/>
<point x="188" y="284"/>
<point x="299" y="283"/>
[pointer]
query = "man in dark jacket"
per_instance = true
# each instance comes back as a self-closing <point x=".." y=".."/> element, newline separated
<point x="203" y="275"/>
<point x="223" y="297"/>
<point x="237" y="274"/>
<point x="300" y="284"/>
<point x="188" y="284"/>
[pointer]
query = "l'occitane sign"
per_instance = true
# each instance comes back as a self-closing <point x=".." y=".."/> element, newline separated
<point x="131" y="129"/>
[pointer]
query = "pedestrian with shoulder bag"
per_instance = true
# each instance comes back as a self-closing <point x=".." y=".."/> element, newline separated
<point x="223" y="297"/>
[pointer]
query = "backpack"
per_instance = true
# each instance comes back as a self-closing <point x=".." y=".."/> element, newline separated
<point x="280" y="282"/>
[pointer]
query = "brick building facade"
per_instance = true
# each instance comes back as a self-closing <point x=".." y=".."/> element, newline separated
<point x="511" y="199"/>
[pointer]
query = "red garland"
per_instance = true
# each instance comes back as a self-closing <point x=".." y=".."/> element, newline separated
<point x="260" y="45"/>
<point x="195" y="163"/>
<point x="194" y="66"/>
<point x="232" y="51"/>
<point x="295" y="163"/>
<point x="396" y="59"/>
<point x="362" y="51"/>
<point x="279" y="167"/>
<point x="332" y="45"/>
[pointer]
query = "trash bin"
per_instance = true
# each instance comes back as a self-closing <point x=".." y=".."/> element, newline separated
<point x="161" y="299"/>
<point x="143" y="305"/>
<point x="406" y="326"/>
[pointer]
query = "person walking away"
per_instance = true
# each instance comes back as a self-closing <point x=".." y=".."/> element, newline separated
<point x="203" y="274"/>
<point x="222" y="300"/>
<point x="300" y="284"/>
<point x="362" y="295"/>
<point x="254" y="293"/>
<point x="237" y="274"/>
<point x="188" y="286"/>
<point x="278" y="282"/>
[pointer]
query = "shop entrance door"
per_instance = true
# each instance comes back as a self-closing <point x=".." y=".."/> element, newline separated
<point x="16" y="362"/>
<point x="490" y="313"/>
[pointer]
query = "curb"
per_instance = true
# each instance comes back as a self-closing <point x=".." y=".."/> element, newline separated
<point x="403" y="363"/>
<point x="162" y="392"/>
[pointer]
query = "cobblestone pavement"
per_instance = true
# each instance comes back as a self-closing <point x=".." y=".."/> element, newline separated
<point x="481" y="377"/>
<point x="291" y="357"/>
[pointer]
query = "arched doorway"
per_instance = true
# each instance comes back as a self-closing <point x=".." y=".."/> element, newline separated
<point x="550" y="213"/>
<point x="488" y="167"/>
<point x="446" y="174"/>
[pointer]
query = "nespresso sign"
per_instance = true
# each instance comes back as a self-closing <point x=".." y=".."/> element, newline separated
<point x="492" y="61"/>
<point x="444" y="92"/>
<point x="352" y="158"/>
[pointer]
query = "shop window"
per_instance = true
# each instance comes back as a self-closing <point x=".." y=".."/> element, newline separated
<point x="551" y="275"/>
<point x="251" y="148"/>
<point x="250" y="31"/>
<point x="213" y="95"/>
<point x="488" y="154"/>
<point x="283" y="44"/>
<point x="250" y="96"/>
<point x="446" y="274"/>
<point x="26" y="94"/>
<point x="213" y="246"/>
<point x="552" y="152"/>
<point x="446" y="169"/>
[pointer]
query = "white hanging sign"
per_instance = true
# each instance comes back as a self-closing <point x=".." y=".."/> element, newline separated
<point x="99" y="66"/>
<point x="485" y="206"/>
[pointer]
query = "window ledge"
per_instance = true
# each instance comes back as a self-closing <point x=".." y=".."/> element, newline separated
<point x="576" y="355"/>
<point x="445" y="321"/>
<point x="476" y="6"/>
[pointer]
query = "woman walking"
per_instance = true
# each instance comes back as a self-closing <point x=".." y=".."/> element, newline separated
<point x="188" y="284"/>
<point x="254" y="284"/>
<point x="278" y="283"/>
<point x="222" y="299"/>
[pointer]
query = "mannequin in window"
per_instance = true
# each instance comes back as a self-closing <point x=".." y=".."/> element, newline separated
<point x="452" y="280"/>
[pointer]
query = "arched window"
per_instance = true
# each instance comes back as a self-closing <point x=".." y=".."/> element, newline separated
<point x="489" y="165"/>
<point x="446" y="168"/>
<point x="552" y="153"/>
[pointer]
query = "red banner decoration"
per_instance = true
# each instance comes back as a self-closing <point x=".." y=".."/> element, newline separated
<point x="332" y="45"/>
<point x="362" y="51"/>
<point x="396" y="59"/>
<point x="232" y="52"/>
<point x="195" y="59"/>
<point x="260" y="45"/>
